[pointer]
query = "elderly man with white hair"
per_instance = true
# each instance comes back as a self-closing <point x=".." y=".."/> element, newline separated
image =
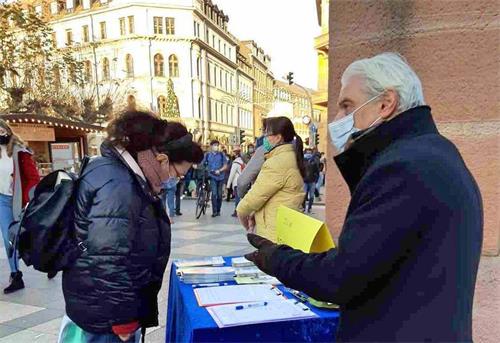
<point x="406" y="263"/>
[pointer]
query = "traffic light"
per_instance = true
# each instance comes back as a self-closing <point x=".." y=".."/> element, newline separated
<point x="316" y="139"/>
<point x="289" y="77"/>
<point x="242" y="137"/>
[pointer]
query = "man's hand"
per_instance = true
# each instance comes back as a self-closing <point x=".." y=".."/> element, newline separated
<point x="262" y="256"/>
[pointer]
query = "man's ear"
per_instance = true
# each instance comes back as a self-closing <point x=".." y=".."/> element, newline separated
<point x="389" y="104"/>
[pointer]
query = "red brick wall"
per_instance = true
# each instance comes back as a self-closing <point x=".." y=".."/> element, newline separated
<point x="454" y="47"/>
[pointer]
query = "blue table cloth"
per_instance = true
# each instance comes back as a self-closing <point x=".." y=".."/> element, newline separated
<point x="188" y="322"/>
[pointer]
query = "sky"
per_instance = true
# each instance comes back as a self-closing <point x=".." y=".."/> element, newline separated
<point x="285" y="29"/>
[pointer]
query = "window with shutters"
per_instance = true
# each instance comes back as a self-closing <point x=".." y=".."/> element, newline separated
<point x="123" y="31"/>
<point x="129" y="65"/>
<point x="131" y="28"/>
<point x="85" y="33"/>
<point x="105" y="69"/>
<point x="173" y="66"/>
<point x="69" y="37"/>
<point x="104" y="34"/>
<point x="170" y="25"/>
<point x="158" y="63"/>
<point x="158" y="25"/>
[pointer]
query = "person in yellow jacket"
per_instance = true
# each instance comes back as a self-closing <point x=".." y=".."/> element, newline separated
<point x="280" y="181"/>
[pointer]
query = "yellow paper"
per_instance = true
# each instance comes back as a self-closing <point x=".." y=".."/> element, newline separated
<point x="302" y="232"/>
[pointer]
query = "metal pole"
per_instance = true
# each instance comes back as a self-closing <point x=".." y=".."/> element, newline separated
<point x="95" y="61"/>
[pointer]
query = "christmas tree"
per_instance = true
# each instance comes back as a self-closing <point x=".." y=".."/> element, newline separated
<point x="172" y="105"/>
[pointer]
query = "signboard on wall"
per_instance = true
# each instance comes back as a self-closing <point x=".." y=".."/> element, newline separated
<point x="34" y="132"/>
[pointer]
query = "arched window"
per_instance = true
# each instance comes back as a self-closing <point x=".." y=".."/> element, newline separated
<point x="87" y="71"/>
<point x="129" y="65"/>
<point x="173" y="66"/>
<point x="158" y="61"/>
<point x="162" y="105"/>
<point x="105" y="69"/>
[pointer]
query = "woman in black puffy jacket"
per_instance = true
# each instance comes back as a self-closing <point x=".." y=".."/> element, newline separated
<point x="111" y="290"/>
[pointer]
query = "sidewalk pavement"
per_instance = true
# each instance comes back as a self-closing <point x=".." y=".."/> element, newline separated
<point x="34" y="314"/>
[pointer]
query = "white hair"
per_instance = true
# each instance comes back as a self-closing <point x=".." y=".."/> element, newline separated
<point x="388" y="71"/>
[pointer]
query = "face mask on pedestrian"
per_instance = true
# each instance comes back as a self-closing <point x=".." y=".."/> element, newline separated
<point x="308" y="155"/>
<point x="340" y="130"/>
<point x="4" y="139"/>
<point x="268" y="146"/>
<point x="250" y="150"/>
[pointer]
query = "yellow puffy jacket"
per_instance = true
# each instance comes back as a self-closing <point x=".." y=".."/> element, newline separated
<point x="279" y="183"/>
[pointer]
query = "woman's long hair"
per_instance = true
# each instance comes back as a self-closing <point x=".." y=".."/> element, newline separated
<point x="14" y="139"/>
<point x="284" y="127"/>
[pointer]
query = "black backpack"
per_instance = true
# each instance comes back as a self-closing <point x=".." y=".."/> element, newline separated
<point x="45" y="235"/>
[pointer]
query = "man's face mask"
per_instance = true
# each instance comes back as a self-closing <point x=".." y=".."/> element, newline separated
<point x="340" y="130"/>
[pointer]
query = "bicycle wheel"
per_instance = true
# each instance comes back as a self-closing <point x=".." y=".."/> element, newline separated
<point x="200" y="203"/>
<point x="207" y="201"/>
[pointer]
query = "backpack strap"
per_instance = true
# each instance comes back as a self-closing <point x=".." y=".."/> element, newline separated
<point x="143" y="334"/>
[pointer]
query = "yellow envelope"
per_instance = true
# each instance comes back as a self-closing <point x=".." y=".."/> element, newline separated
<point x="302" y="232"/>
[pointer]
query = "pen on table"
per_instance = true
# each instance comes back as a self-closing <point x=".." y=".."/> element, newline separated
<point x="215" y="284"/>
<point x="241" y="307"/>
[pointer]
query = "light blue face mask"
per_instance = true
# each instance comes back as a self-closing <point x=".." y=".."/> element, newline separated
<point x="340" y="130"/>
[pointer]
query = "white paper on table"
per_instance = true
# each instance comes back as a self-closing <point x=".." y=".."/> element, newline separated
<point x="275" y="311"/>
<point x="199" y="262"/>
<point x="211" y="296"/>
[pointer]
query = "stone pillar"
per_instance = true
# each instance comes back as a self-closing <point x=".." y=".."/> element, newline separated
<point x="454" y="46"/>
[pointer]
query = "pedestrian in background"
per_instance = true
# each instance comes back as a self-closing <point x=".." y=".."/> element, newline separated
<point x="217" y="163"/>
<point x="236" y="169"/>
<point x="228" y="190"/>
<point x="279" y="181"/>
<point x="111" y="290"/>
<point x="311" y="177"/>
<point x="169" y="187"/>
<point x="252" y="168"/>
<point x="248" y="155"/>
<point x="178" y="196"/>
<point x="407" y="258"/>
<point x="18" y="175"/>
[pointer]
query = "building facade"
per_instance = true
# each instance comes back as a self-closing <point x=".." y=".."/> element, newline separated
<point x="294" y="101"/>
<point x="130" y="50"/>
<point x="263" y="81"/>
<point x="320" y="97"/>
<point x="450" y="48"/>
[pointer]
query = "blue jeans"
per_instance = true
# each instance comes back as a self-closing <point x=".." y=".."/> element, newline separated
<point x="216" y="189"/>
<point x="169" y="201"/>
<point x="309" y="188"/>
<point x="236" y="198"/>
<point x="6" y="218"/>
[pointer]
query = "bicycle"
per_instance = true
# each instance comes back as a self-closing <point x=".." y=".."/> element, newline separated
<point x="203" y="196"/>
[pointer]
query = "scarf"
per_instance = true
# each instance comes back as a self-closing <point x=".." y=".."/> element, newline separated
<point x="156" y="172"/>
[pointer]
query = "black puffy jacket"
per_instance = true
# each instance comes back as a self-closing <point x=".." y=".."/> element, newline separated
<point x="127" y="235"/>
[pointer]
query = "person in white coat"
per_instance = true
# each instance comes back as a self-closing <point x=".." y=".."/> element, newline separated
<point x="236" y="170"/>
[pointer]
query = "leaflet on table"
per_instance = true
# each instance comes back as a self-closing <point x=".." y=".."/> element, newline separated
<point x="199" y="262"/>
<point x="211" y="296"/>
<point x="248" y="271"/>
<point x="238" y="262"/>
<point x="206" y="274"/>
<point x="273" y="311"/>
<point x="266" y="279"/>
